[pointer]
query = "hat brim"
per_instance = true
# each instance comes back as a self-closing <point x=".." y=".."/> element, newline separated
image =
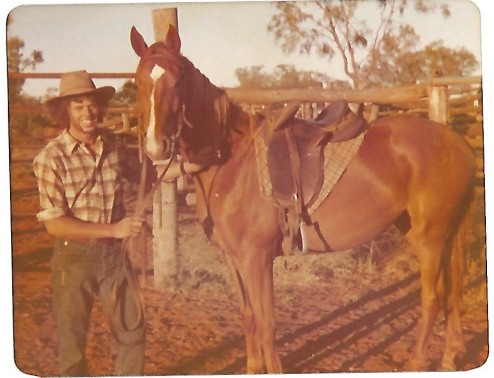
<point x="104" y="93"/>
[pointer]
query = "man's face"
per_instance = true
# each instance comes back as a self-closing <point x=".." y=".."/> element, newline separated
<point x="84" y="114"/>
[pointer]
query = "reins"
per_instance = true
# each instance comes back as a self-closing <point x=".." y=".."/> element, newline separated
<point x="128" y="244"/>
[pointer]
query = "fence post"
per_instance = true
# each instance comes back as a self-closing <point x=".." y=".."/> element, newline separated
<point x="438" y="103"/>
<point x="165" y="240"/>
<point x="125" y="121"/>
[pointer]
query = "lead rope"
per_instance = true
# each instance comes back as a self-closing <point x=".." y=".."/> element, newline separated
<point x="128" y="246"/>
<point x="125" y="267"/>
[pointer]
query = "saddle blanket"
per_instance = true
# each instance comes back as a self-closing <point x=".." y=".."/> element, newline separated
<point x="337" y="156"/>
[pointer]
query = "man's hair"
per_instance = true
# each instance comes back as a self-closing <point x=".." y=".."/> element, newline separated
<point x="61" y="114"/>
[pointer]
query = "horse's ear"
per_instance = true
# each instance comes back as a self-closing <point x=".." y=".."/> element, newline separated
<point x="137" y="42"/>
<point x="173" y="39"/>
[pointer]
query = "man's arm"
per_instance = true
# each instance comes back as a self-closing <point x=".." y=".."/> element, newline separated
<point x="72" y="228"/>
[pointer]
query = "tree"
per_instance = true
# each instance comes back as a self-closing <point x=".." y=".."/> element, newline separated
<point x="17" y="62"/>
<point x="127" y="94"/>
<point x="283" y="76"/>
<point x="370" y="56"/>
<point x="417" y="66"/>
<point x="22" y="124"/>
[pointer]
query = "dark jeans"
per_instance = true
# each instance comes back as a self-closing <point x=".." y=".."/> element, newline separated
<point x="79" y="273"/>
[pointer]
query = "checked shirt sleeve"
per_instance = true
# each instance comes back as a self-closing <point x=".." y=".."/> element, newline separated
<point x="51" y="191"/>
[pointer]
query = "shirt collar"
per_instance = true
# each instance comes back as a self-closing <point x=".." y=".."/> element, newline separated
<point x="71" y="143"/>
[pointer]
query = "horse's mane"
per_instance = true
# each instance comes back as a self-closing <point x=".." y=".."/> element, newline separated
<point x="205" y="102"/>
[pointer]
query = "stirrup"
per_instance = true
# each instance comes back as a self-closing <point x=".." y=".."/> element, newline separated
<point x="290" y="245"/>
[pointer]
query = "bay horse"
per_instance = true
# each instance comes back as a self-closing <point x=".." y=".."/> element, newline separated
<point x="406" y="165"/>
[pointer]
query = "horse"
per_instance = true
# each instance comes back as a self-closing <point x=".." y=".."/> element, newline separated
<point x="407" y="166"/>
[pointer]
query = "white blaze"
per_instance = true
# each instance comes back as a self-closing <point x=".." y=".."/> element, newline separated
<point x="156" y="73"/>
<point x="154" y="147"/>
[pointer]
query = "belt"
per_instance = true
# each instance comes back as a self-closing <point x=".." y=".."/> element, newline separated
<point x="91" y="241"/>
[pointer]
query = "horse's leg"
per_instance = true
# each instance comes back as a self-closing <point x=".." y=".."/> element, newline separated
<point x="255" y="363"/>
<point x="428" y="248"/>
<point x="257" y="276"/>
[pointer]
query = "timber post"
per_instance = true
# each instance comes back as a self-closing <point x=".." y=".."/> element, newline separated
<point x="438" y="99"/>
<point x="438" y="103"/>
<point x="165" y="240"/>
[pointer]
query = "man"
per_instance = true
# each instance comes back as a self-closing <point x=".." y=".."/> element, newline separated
<point x="80" y="185"/>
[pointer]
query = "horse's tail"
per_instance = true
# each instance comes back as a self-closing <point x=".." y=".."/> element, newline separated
<point x="458" y="261"/>
<point x="459" y="242"/>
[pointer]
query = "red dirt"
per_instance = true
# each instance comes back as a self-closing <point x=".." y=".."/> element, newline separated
<point x="339" y="312"/>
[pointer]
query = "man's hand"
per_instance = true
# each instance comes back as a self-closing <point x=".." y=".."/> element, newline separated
<point x="129" y="226"/>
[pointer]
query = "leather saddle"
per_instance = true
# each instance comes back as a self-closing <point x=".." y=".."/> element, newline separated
<point x="295" y="158"/>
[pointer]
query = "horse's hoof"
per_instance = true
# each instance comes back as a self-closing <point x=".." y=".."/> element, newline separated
<point x="447" y="365"/>
<point x="416" y="364"/>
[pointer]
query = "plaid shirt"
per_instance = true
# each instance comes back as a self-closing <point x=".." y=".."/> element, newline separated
<point x="73" y="181"/>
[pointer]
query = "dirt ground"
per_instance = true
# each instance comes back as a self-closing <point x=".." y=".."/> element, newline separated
<point x="350" y="311"/>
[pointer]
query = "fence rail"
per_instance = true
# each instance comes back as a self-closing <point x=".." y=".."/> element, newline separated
<point x="38" y="109"/>
<point x="410" y="97"/>
<point x="440" y="97"/>
<point x="57" y="75"/>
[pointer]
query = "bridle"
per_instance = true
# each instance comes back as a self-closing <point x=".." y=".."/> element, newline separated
<point x="128" y="244"/>
<point x="144" y="198"/>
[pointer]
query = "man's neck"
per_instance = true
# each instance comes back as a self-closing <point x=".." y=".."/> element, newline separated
<point x="88" y="139"/>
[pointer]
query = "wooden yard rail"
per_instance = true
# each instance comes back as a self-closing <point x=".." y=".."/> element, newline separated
<point x="57" y="75"/>
<point x="439" y="98"/>
<point x="403" y="94"/>
<point x="408" y="97"/>
<point x="408" y="93"/>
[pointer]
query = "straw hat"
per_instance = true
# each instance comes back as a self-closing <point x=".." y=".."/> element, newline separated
<point x="77" y="83"/>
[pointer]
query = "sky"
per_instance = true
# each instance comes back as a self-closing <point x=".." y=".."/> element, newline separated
<point x="217" y="37"/>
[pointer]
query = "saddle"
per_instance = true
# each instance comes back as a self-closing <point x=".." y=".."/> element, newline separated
<point x="295" y="158"/>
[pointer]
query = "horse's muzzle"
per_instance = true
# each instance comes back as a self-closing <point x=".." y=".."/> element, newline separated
<point x="158" y="149"/>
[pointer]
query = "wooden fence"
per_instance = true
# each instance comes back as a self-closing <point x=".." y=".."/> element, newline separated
<point x="443" y="99"/>
<point x="439" y="98"/>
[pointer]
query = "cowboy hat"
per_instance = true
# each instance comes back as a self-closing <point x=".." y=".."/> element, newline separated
<point x="78" y="83"/>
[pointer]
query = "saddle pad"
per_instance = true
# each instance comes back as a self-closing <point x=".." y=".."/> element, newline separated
<point x="337" y="156"/>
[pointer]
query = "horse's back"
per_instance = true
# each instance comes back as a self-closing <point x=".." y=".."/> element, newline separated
<point x="427" y="145"/>
<point x="405" y="163"/>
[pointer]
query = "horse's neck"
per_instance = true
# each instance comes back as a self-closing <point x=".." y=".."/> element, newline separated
<point x="232" y="181"/>
<point x="201" y="94"/>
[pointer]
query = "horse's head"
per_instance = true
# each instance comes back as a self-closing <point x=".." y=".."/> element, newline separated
<point x="176" y="102"/>
<point x="160" y="91"/>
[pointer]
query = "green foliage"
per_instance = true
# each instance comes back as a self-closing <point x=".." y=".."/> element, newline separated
<point x="283" y="76"/>
<point x="17" y="62"/>
<point x="127" y="94"/>
<point x="30" y="124"/>
<point x="383" y="55"/>
<point x="22" y="124"/>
